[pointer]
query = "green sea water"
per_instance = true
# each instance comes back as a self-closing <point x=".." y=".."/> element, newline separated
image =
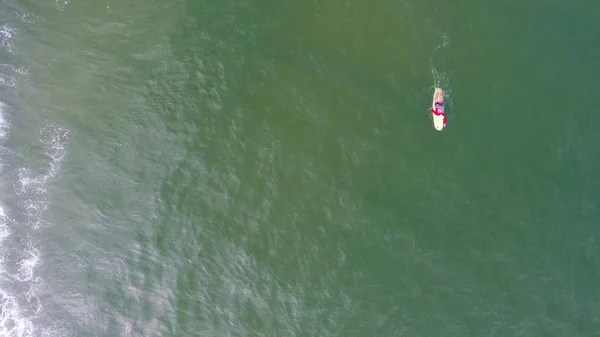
<point x="261" y="168"/>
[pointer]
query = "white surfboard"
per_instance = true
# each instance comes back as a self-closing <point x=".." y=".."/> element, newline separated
<point x="438" y="121"/>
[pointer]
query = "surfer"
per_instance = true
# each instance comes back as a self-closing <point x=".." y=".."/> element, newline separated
<point x="439" y="118"/>
<point x="439" y="111"/>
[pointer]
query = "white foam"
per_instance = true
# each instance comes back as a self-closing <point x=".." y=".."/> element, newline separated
<point x="6" y="34"/>
<point x="26" y="265"/>
<point x="7" y="80"/>
<point x="4" y="232"/>
<point x="19" y="300"/>
<point x="61" y="4"/>
<point x="3" y="124"/>
<point x="54" y="138"/>
<point x="12" y="322"/>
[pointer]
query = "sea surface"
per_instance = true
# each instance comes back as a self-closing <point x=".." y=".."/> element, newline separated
<point x="260" y="168"/>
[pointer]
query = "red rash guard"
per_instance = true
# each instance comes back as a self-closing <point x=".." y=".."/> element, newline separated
<point x="435" y="112"/>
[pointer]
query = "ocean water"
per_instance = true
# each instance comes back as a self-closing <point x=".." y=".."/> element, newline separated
<point x="254" y="168"/>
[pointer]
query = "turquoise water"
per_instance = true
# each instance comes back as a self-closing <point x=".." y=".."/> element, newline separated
<point x="195" y="168"/>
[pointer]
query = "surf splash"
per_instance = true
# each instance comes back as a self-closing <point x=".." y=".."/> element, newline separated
<point x="23" y="211"/>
